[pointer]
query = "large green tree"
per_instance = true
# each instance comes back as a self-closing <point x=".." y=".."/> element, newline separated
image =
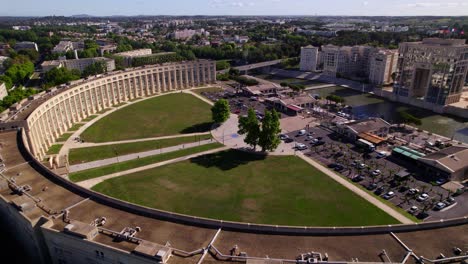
<point x="95" y="68"/>
<point x="59" y="76"/>
<point x="250" y="126"/>
<point x="269" y="139"/>
<point x="220" y="111"/>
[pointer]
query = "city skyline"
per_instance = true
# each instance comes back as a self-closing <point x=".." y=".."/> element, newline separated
<point x="239" y="7"/>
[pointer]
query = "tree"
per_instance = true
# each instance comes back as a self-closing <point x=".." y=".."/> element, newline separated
<point x="222" y="65"/>
<point x="94" y="68"/>
<point x="59" y="76"/>
<point x="269" y="139"/>
<point x="220" y="111"/>
<point x="249" y="126"/>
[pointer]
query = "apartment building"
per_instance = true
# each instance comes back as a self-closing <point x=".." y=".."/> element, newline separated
<point x="309" y="58"/>
<point x="433" y="70"/>
<point x="26" y="45"/>
<point x="3" y="91"/>
<point x="348" y="62"/>
<point x="382" y="64"/>
<point x="78" y="64"/>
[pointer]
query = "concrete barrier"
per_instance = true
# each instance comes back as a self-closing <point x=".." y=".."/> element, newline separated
<point x="225" y="225"/>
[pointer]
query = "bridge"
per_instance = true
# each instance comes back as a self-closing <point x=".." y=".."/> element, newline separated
<point x="245" y="68"/>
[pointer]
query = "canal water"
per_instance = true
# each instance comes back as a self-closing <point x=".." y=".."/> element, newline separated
<point x="364" y="105"/>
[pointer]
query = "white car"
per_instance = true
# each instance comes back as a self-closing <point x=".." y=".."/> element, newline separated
<point x="389" y="195"/>
<point x="382" y="154"/>
<point x="376" y="172"/>
<point x="301" y="146"/>
<point x="362" y="166"/>
<point x="301" y="132"/>
<point x="440" y="206"/>
<point x="423" y="197"/>
<point x="413" y="191"/>
<point x="413" y="209"/>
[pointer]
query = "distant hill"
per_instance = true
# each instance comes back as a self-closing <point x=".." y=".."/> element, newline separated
<point x="81" y="16"/>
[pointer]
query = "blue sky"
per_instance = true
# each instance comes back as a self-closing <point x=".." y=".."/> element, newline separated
<point x="235" y="7"/>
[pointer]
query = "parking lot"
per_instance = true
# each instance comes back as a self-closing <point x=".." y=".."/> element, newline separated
<point x="377" y="175"/>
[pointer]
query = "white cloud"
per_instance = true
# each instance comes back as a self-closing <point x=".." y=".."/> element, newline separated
<point x="365" y="3"/>
<point x="436" y="4"/>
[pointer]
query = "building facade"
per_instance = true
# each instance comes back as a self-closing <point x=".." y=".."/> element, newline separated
<point x="78" y="64"/>
<point x="349" y="62"/>
<point x="26" y="45"/>
<point x="3" y="91"/>
<point x="50" y="120"/>
<point x="433" y="70"/>
<point x="382" y="65"/>
<point x="309" y="58"/>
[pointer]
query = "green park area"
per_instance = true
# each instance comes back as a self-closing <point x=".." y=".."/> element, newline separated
<point x="81" y="155"/>
<point x="165" y="115"/>
<point x="127" y="165"/>
<point x="237" y="186"/>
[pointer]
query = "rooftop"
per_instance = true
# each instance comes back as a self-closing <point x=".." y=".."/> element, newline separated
<point x="450" y="159"/>
<point x="368" y="125"/>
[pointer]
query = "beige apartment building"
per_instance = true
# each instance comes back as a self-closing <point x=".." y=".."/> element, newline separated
<point x="433" y="70"/>
<point x="382" y="65"/>
<point x="348" y="62"/>
<point x="309" y="58"/>
<point x="3" y="91"/>
<point x="51" y="119"/>
<point x="78" y="64"/>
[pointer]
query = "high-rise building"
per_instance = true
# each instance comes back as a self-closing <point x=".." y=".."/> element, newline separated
<point x="433" y="70"/>
<point x="346" y="61"/>
<point x="382" y="65"/>
<point x="309" y="58"/>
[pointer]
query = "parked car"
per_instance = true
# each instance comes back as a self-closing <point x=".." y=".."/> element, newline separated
<point x="450" y="200"/>
<point x="301" y="132"/>
<point x="381" y="154"/>
<point x="339" y="167"/>
<point x="423" y="197"/>
<point x="371" y="186"/>
<point x="440" y="181"/>
<point x="355" y="163"/>
<point x="389" y="195"/>
<point x="288" y="140"/>
<point x="379" y="190"/>
<point x="413" y="209"/>
<point x="357" y="178"/>
<point x="237" y="111"/>
<point x="440" y="205"/>
<point x="362" y="166"/>
<point x="309" y="137"/>
<point x="318" y="143"/>
<point x="332" y="165"/>
<point x="283" y="136"/>
<point x="300" y="146"/>
<point x="413" y="191"/>
<point x="376" y="172"/>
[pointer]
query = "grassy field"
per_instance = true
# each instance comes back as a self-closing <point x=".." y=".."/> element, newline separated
<point x="54" y="149"/>
<point x="81" y="155"/>
<point x="64" y="137"/>
<point x="122" y="166"/>
<point x="208" y="90"/>
<point x="236" y="186"/>
<point x="160" y="116"/>
<point x="75" y="127"/>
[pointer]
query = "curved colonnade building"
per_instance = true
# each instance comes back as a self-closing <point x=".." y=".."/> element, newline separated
<point x="54" y="117"/>
<point x="57" y="221"/>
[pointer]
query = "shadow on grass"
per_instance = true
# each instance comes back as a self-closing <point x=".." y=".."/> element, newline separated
<point x="227" y="160"/>
<point x="202" y="127"/>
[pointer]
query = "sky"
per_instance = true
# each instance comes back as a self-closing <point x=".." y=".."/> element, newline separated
<point x="235" y="7"/>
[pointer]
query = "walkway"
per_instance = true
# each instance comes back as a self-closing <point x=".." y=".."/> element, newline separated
<point x="92" y="182"/>
<point x="74" y="144"/>
<point x="386" y="208"/>
<point x="122" y="158"/>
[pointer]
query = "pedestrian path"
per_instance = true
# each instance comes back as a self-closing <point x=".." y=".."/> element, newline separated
<point x="75" y="145"/>
<point x="122" y="158"/>
<point x="92" y="182"/>
<point x="386" y="208"/>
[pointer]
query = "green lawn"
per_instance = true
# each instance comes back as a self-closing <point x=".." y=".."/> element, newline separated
<point x="54" y="149"/>
<point x="122" y="166"/>
<point x="208" y="90"/>
<point x="89" y="118"/>
<point x="237" y="186"/>
<point x="64" y="137"/>
<point x="81" y="155"/>
<point x="75" y="127"/>
<point x="170" y="114"/>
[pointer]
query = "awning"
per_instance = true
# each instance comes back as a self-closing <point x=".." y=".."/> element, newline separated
<point x="294" y="108"/>
<point x="371" y="138"/>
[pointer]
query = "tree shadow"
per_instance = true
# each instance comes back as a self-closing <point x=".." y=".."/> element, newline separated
<point x="197" y="128"/>
<point x="227" y="160"/>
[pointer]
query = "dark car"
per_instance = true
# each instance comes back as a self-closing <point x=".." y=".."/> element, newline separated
<point x="379" y="190"/>
<point x="332" y="165"/>
<point x="288" y="140"/>
<point x="371" y="186"/>
<point x="319" y="143"/>
<point x="339" y="167"/>
<point x="357" y="178"/>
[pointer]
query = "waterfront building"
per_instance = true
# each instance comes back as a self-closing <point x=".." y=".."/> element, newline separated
<point x="433" y="70"/>
<point x="309" y="58"/>
<point x="346" y="61"/>
<point x="382" y="65"/>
